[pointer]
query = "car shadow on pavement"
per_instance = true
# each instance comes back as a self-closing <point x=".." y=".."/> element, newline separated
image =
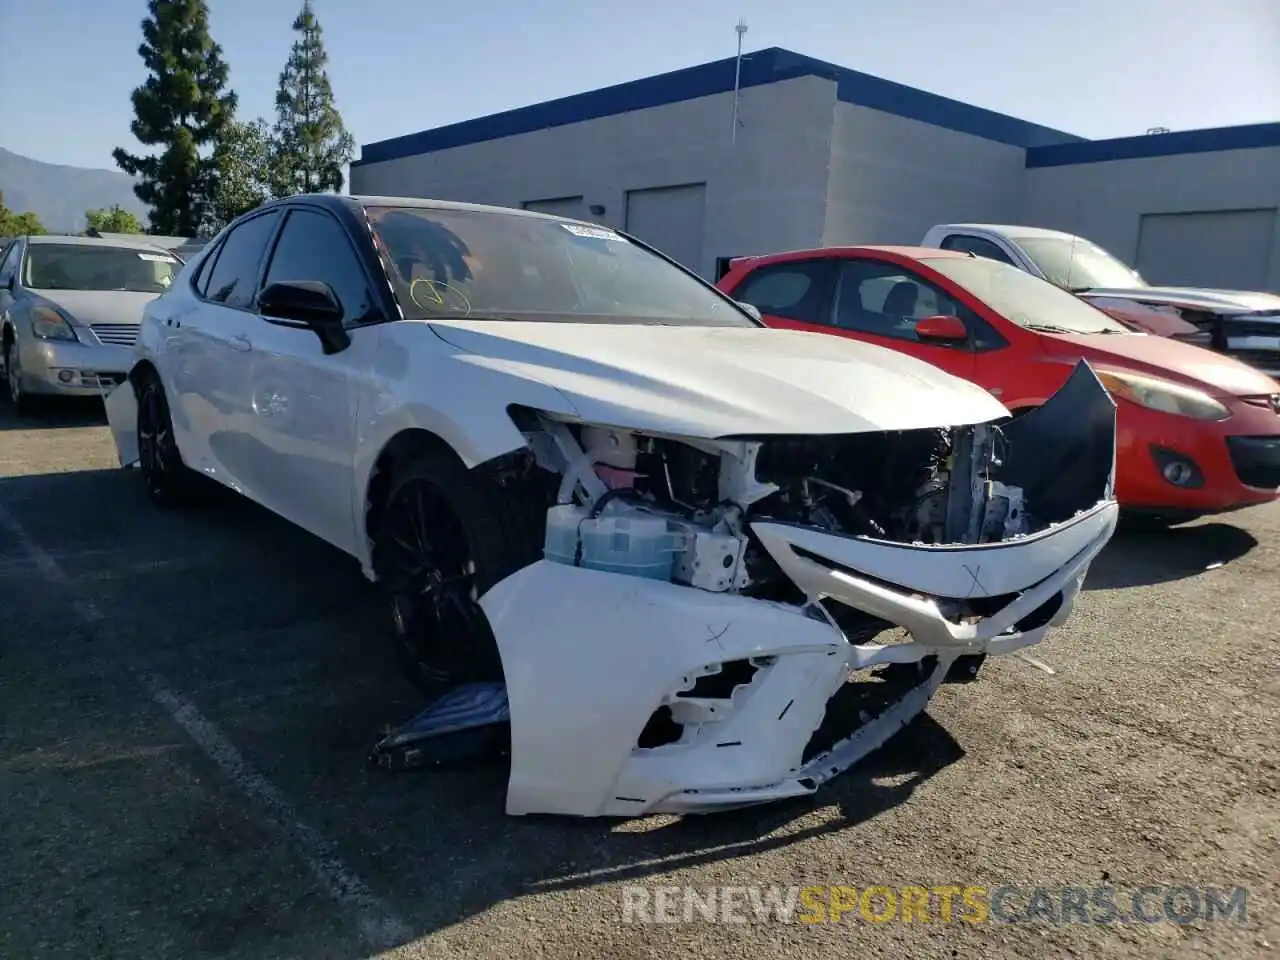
<point x="1138" y="557"/>
<point x="55" y="414"/>
<point x="494" y="859"/>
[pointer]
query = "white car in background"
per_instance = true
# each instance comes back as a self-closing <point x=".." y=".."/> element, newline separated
<point x="70" y="309"/>
<point x="679" y="543"/>
<point x="1244" y="324"/>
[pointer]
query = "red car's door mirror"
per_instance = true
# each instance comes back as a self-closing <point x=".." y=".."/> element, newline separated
<point x="942" y="329"/>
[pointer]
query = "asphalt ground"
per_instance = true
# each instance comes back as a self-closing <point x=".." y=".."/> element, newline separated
<point x="187" y="701"/>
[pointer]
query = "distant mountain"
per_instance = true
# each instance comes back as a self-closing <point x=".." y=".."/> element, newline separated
<point x="59" y="195"/>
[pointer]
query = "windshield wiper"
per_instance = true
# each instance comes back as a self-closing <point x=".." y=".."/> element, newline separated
<point x="429" y="317"/>
<point x="1050" y="328"/>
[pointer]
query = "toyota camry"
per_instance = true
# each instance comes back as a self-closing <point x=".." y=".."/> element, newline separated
<point x="708" y="563"/>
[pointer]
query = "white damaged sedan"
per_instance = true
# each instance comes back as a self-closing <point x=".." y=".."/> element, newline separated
<point x="710" y="564"/>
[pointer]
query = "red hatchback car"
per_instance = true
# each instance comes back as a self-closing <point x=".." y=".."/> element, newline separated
<point x="1196" y="432"/>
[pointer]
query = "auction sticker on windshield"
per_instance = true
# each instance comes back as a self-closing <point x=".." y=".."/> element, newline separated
<point x="593" y="233"/>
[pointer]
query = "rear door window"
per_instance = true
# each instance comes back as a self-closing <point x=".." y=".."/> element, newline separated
<point x="978" y="246"/>
<point x="794" y="290"/>
<point x="203" y="272"/>
<point x="234" y="277"/>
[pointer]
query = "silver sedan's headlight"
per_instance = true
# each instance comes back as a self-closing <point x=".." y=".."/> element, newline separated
<point x="48" y="323"/>
<point x="1163" y="395"/>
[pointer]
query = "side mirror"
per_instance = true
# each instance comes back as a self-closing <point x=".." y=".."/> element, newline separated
<point x="942" y="329"/>
<point x="306" y="303"/>
<point x="750" y="310"/>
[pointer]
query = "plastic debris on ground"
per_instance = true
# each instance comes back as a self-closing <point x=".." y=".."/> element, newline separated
<point x="469" y="722"/>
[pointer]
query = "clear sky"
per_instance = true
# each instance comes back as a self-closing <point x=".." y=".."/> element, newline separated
<point x="1097" y="68"/>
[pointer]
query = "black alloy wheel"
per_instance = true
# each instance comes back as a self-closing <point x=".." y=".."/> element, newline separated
<point x="425" y="560"/>
<point x="166" y="478"/>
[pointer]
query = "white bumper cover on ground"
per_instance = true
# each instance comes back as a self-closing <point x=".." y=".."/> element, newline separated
<point x="585" y="673"/>
<point x="122" y="417"/>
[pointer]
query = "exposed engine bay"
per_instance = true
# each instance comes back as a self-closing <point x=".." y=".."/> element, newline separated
<point x="932" y="486"/>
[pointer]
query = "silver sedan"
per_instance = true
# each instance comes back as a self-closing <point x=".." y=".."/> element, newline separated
<point x="70" y="309"/>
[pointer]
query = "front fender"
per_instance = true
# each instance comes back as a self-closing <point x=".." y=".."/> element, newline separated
<point x="452" y="395"/>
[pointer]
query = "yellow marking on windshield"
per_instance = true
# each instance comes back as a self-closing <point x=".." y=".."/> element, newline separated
<point x="436" y="291"/>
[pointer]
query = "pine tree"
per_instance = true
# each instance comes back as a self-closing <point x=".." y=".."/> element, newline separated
<point x="312" y="145"/>
<point x="183" y="108"/>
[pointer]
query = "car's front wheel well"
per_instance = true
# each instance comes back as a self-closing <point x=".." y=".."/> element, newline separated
<point x="142" y="371"/>
<point x="440" y="536"/>
<point x="404" y="447"/>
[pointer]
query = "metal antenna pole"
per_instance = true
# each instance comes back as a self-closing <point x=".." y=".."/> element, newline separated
<point x="741" y="29"/>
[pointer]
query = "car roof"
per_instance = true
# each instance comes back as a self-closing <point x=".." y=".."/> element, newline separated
<point x="119" y="244"/>
<point x="152" y="239"/>
<point x="917" y="253"/>
<point x="333" y="201"/>
<point x="1013" y="232"/>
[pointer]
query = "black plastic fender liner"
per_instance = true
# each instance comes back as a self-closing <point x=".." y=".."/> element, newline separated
<point x="468" y="722"/>
<point x="965" y="669"/>
<point x="1063" y="453"/>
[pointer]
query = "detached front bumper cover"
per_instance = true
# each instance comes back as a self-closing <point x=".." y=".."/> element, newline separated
<point x="121" y="406"/>
<point x="592" y="659"/>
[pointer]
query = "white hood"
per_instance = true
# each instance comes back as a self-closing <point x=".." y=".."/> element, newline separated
<point x="1231" y="301"/>
<point x="85" y="307"/>
<point x="717" y="381"/>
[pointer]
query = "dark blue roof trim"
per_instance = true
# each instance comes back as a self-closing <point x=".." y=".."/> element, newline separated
<point x="759" y="68"/>
<point x="1157" y="145"/>
<point x="903" y="101"/>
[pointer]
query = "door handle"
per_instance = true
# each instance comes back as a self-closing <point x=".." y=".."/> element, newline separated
<point x="241" y="342"/>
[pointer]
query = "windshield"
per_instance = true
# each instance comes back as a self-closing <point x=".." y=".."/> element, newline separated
<point x="489" y="264"/>
<point x="1078" y="264"/>
<point x="1023" y="299"/>
<point x="56" y="266"/>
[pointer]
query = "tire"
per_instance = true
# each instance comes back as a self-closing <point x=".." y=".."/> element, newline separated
<point x="443" y="537"/>
<point x="169" y="482"/>
<point x="21" y="401"/>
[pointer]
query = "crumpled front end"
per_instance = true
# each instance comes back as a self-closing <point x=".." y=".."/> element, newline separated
<point x="722" y="623"/>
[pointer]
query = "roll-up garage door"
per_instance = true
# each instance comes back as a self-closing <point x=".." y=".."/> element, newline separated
<point x="671" y="219"/>
<point x="1228" y="249"/>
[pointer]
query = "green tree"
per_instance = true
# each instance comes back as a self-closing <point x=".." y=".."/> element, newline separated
<point x="244" y="158"/>
<point x="183" y="108"/>
<point x="114" y="220"/>
<point x="19" y="224"/>
<point x="312" y="146"/>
